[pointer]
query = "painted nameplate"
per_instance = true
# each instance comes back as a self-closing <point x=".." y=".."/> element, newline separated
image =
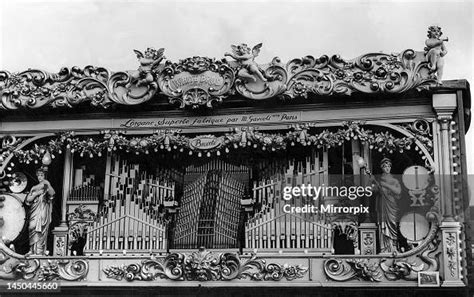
<point x="206" y="142"/>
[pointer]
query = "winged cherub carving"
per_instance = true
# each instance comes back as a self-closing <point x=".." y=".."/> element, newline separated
<point x="435" y="50"/>
<point x="148" y="61"/>
<point x="249" y="69"/>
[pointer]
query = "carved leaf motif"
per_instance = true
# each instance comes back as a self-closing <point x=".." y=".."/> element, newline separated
<point x="347" y="269"/>
<point x="370" y="73"/>
<point x="205" y="266"/>
<point x="70" y="270"/>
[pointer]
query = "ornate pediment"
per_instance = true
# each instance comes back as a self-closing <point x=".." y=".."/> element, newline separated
<point x="197" y="82"/>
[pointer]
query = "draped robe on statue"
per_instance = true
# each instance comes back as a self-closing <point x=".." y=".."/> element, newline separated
<point x="40" y="218"/>
<point x="389" y="212"/>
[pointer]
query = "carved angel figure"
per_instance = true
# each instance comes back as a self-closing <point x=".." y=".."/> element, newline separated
<point x="435" y="50"/>
<point x="148" y="61"/>
<point x="249" y="69"/>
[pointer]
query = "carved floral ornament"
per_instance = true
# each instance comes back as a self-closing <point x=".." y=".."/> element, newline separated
<point x="15" y="266"/>
<point x="201" y="82"/>
<point x="204" y="266"/>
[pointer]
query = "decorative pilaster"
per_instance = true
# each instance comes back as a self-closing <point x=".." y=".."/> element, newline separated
<point x="445" y="104"/>
<point x="61" y="231"/>
<point x="368" y="235"/>
<point x="452" y="254"/>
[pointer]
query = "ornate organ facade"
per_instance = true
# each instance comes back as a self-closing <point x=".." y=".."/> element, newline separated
<point x="318" y="171"/>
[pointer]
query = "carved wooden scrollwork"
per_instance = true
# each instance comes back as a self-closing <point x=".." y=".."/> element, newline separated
<point x="370" y="73"/>
<point x="201" y="82"/>
<point x="403" y="266"/>
<point x="203" y="266"/>
<point x="347" y="269"/>
<point x="275" y="84"/>
<point x="69" y="270"/>
<point x="72" y="86"/>
<point x="15" y="266"/>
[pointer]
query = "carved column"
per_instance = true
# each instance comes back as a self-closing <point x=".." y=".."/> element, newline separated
<point x="60" y="232"/>
<point x="367" y="229"/>
<point x="444" y="105"/>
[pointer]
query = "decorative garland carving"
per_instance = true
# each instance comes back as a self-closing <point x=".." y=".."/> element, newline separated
<point x="70" y="270"/>
<point x="203" y="266"/>
<point x="247" y="137"/>
<point x="421" y="130"/>
<point x="199" y="81"/>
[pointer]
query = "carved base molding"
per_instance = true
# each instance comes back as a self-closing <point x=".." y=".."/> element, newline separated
<point x="209" y="266"/>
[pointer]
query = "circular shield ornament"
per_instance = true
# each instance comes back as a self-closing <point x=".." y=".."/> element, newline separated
<point x="18" y="182"/>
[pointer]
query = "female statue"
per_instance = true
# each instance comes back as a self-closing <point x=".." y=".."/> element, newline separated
<point x="40" y="201"/>
<point x="388" y="210"/>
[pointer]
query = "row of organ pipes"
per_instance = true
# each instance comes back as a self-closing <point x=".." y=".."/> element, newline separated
<point x="270" y="227"/>
<point x="130" y="217"/>
<point x="210" y="209"/>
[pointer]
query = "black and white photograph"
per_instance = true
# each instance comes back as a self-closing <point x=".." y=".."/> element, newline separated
<point x="236" y="148"/>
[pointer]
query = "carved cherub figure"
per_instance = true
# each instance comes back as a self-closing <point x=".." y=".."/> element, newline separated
<point x="249" y="68"/>
<point x="148" y="61"/>
<point x="435" y="50"/>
